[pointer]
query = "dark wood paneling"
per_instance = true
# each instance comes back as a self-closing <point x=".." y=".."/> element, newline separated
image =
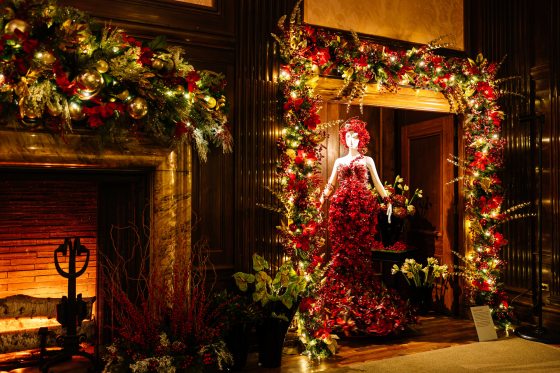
<point x="257" y="125"/>
<point x="527" y="32"/>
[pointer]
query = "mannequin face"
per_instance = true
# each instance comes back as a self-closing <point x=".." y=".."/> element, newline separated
<point x="352" y="140"/>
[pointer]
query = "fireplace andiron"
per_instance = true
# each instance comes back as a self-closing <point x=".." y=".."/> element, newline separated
<point x="71" y="310"/>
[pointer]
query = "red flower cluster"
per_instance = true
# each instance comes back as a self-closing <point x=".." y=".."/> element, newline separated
<point x="357" y="126"/>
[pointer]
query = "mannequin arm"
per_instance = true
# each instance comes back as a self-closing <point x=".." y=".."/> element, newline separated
<point x="330" y="184"/>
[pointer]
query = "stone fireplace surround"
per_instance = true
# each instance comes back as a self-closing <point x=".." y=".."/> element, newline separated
<point x="169" y="170"/>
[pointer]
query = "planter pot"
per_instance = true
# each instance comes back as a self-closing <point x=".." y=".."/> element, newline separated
<point x="390" y="233"/>
<point x="271" y="333"/>
<point x="421" y="298"/>
<point x="237" y="342"/>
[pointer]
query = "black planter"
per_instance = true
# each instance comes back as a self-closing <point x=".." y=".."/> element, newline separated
<point x="421" y="298"/>
<point x="237" y="342"/>
<point x="271" y="333"/>
<point x="390" y="233"/>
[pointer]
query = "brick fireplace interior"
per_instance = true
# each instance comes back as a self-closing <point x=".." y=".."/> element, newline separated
<point x="39" y="208"/>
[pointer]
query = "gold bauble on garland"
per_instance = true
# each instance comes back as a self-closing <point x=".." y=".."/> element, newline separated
<point x="102" y="66"/>
<point x="17" y="24"/>
<point x="138" y="108"/>
<point x="124" y="95"/>
<point x="76" y="110"/>
<point x="9" y="12"/>
<point x="90" y="83"/>
<point x="45" y="58"/>
<point x="158" y="64"/>
<point x="210" y="101"/>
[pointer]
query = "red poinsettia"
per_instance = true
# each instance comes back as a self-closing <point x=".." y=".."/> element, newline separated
<point x="480" y="161"/>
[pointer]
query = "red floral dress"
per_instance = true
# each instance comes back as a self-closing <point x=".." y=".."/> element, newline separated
<point x="352" y="300"/>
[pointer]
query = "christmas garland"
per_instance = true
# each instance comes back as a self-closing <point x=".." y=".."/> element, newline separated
<point x="470" y="87"/>
<point x="61" y="70"/>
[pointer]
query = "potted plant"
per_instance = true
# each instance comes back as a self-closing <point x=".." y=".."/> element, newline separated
<point x="278" y="298"/>
<point x="421" y="280"/>
<point x="398" y="197"/>
<point x="242" y="314"/>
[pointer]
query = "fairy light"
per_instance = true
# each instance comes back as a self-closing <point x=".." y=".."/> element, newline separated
<point x="285" y="74"/>
<point x="293" y="94"/>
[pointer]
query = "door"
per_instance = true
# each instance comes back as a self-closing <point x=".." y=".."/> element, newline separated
<point x="425" y="148"/>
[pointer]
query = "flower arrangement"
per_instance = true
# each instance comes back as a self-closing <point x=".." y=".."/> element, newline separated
<point x="61" y="70"/>
<point x="398" y="196"/>
<point x="171" y="327"/>
<point x="418" y="275"/>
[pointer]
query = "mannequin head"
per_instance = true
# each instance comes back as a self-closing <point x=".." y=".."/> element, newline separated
<point x="354" y="131"/>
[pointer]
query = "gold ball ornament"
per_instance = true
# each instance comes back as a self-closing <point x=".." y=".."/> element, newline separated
<point x="90" y="83"/>
<point x="158" y="64"/>
<point x="76" y="110"/>
<point x="124" y="95"/>
<point x="9" y="12"/>
<point x="102" y="66"/>
<point x="17" y="24"/>
<point x="45" y="57"/>
<point x="210" y="101"/>
<point x="138" y="108"/>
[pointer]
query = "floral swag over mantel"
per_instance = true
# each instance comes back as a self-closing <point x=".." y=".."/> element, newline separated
<point x="471" y="89"/>
<point x="61" y="70"/>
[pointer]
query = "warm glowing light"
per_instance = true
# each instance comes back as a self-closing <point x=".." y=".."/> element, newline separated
<point x="293" y="94"/>
<point x="285" y="75"/>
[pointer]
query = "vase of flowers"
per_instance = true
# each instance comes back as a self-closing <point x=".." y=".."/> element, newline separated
<point x="278" y="298"/>
<point x="421" y="280"/>
<point x="398" y="197"/>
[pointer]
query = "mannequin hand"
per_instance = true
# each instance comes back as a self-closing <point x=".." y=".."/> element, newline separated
<point x="389" y="212"/>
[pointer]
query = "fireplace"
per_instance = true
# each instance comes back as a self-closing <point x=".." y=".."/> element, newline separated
<point x="52" y="188"/>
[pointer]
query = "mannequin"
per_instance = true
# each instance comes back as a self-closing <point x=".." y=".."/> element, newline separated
<point x="350" y="293"/>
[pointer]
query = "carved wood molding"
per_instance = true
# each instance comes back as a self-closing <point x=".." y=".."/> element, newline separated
<point x="405" y="98"/>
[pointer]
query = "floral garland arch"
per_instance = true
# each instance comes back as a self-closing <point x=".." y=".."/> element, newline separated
<point x="60" y="69"/>
<point x="471" y="89"/>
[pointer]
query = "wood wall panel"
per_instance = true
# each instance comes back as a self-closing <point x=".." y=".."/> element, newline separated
<point x="257" y="125"/>
<point x="527" y="32"/>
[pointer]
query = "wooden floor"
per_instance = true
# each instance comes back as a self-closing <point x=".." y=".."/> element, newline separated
<point x="433" y="332"/>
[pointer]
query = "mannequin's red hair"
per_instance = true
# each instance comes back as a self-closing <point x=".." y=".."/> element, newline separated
<point x="357" y="126"/>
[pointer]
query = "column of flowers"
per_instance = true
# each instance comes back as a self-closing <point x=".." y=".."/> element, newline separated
<point x="470" y="87"/>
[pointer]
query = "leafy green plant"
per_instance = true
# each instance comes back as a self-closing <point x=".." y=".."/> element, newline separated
<point x="285" y="288"/>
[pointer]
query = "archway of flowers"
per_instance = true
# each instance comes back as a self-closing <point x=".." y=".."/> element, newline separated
<point x="470" y="87"/>
<point x="61" y="70"/>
